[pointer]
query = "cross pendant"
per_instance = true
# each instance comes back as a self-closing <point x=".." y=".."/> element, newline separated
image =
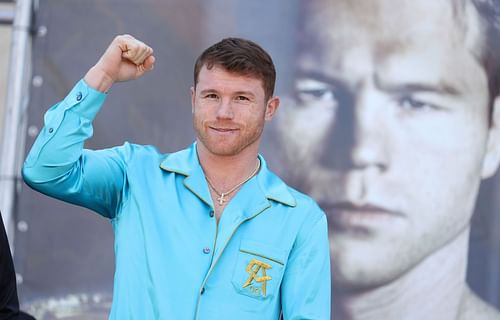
<point x="221" y="199"/>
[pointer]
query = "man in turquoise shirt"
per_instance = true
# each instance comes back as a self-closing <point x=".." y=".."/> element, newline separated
<point x="207" y="232"/>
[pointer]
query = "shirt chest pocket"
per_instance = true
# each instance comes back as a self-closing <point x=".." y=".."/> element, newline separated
<point x="258" y="270"/>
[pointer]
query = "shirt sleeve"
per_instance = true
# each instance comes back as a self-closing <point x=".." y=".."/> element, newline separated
<point x="306" y="283"/>
<point x="59" y="166"/>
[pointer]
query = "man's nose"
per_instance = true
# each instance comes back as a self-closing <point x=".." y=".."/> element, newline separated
<point x="225" y="109"/>
<point x="360" y="136"/>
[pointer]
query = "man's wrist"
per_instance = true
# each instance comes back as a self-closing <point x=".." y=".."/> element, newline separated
<point x="98" y="79"/>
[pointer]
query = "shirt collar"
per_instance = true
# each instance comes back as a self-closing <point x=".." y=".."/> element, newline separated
<point x="185" y="162"/>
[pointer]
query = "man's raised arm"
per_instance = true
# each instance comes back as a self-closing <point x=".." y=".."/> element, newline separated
<point x="57" y="164"/>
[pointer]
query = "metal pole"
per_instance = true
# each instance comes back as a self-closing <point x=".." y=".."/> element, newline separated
<point x="13" y="135"/>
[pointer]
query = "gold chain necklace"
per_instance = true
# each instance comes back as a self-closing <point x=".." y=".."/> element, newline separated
<point x="221" y="195"/>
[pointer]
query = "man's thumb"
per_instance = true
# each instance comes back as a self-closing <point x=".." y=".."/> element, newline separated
<point x="149" y="63"/>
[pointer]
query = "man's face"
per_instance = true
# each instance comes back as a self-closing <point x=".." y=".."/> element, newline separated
<point x="229" y="111"/>
<point x="388" y="131"/>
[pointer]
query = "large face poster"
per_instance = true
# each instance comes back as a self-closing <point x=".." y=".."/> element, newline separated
<point x="388" y="118"/>
<point x="391" y="126"/>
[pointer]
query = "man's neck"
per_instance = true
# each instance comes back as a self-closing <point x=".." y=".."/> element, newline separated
<point x="432" y="289"/>
<point x="226" y="174"/>
<point x="226" y="171"/>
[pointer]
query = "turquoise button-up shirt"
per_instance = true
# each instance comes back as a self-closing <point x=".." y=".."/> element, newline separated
<point x="269" y="253"/>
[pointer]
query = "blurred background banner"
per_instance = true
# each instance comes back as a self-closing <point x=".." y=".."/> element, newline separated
<point x="64" y="254"/>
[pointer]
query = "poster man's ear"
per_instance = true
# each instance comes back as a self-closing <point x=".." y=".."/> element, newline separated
<point x="492" y="157"/>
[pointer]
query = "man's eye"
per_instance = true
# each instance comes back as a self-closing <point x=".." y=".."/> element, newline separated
<point x="242" y="98"/>
<point x="412" y="104"/>
<point x="320" y="97"/>
<point x="316" y="94"/>
<point x="210" y="96"/>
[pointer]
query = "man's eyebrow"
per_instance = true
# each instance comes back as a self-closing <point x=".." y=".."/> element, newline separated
<point x="402" y="86"/>
<point x="244" y="93"/>
<point x="319" y="76"/>
<point x="423" y="87"/>
<point x="205" y="91"/>
<point x="410" y="85"/>
<point x="241" y="92"/>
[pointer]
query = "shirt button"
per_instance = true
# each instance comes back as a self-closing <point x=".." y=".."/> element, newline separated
<point x="211" y="213"/>
<point x="202" y="291"/>
<point x="206" y="250"/>
<point x="79" y="96"/>
<point x="51" y="130"/>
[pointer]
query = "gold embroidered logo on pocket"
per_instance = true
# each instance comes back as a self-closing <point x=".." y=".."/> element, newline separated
<point x="257" y="270"/>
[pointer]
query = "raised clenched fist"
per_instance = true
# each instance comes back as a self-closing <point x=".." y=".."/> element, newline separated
<point x="126" y="58"/>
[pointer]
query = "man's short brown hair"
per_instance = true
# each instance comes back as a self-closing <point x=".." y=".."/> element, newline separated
<point x="239" y="56"/>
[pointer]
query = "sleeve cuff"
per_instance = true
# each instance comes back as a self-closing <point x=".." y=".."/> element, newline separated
<point x="84" y="100"/>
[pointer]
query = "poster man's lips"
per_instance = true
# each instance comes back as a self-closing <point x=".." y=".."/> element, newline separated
<point x="362" y="219"/>
<point x="366" y="208"/>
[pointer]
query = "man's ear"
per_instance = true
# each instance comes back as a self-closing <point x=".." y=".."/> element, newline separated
<point x="193" y="95"/>
<point x="271" y="107"/>
<point x="492" y="157"/>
